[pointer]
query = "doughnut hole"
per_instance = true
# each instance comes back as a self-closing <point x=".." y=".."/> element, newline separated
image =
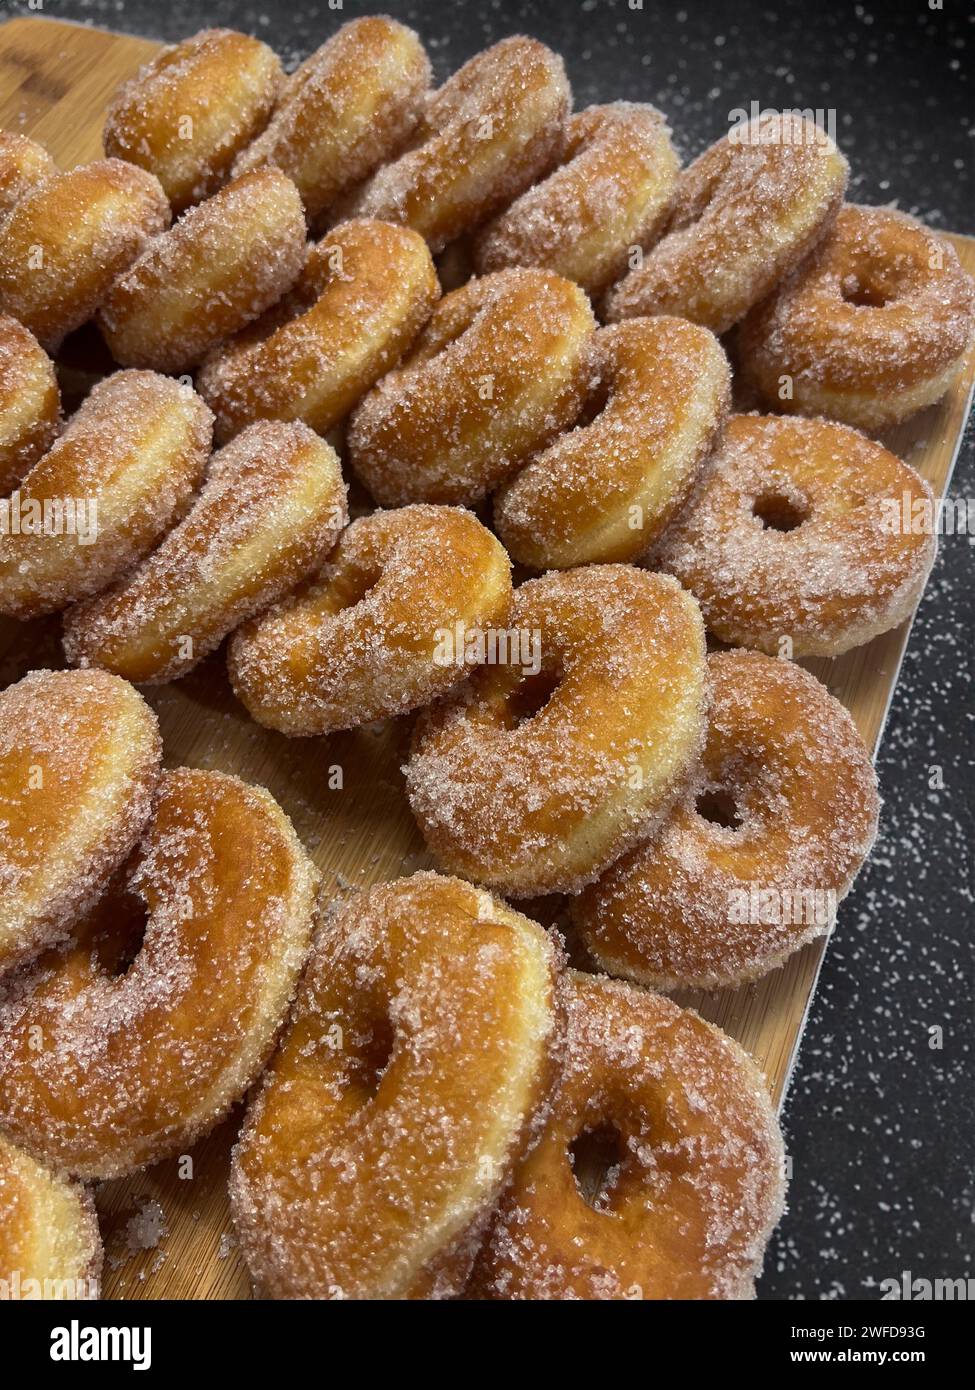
<point x="370" y="1059"/>
<point x="597" y="1156"/>
<point x="532" y="694"/>
<point x="719" y="807"/>
<point x="777" y="511"/>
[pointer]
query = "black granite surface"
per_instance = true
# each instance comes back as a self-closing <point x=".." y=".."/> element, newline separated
<point x="879" y="1121"/>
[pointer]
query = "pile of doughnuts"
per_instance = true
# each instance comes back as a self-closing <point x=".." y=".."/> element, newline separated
<point x="554" y="505"/>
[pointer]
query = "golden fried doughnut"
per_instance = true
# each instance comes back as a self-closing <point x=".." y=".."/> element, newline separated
<point x="413" y="1072"/>
<point x="756" y="855"/>
<point x="347" y="109"/>
<point x="121" y="474"/>
<point x="869" y="329"/>
<point x="744" y="213"/>
<point x="269" y="512"/>
<point x="794" y="531"/>
<point x="499" y="370"/>
<point x="67" y="240"/>
<point x="79" y="762"/>
<point x="373" y="288"/>
<point x="147" y="1043"/>
<point x="50" y="1246"/>
<point x="30" y="402"/>
<point x="23" y="165"/>
<point x="605" y="490"/>
<point x="542" y="771"/>
<point x="384" y="628"/>
<point x="488" y="133"/>
<point x="222" y="264"/>
<point x="187" y="113"/>
<point x="611" y="194"/>
<point x="660" y="1172"/>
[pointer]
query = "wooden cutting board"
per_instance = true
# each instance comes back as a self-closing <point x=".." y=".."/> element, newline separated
<point x="170" y="1236"/>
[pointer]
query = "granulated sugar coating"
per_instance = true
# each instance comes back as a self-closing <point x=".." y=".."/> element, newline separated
<point x="23" y="165"/>
<point x="48" y="1230"/>
<point x="269" y="512"/>
<point x="185" y="114"/>
<point x="115" y="1052"/>
<point x="610" y="194"/>
<point x="494" y="128"/>
<point x="802" y="531"/>
<point x="534" y="781"/>
<point x="683" y="1179"/>
<point x="382" y="630"/>
<point x="605" y="490"/>
<point x="30" y="403"/>
<point x="371" y="287"/>
<point x="414" y="1074"/>
<point x="223" y="263"/>
<point x="745" y="212"/>
<point x="347" y="109"/>
<point x="869" y="329"/>
<point x="69" y="238"/>
<point x="763" y="843"/>
<point x="121" y="474"/>
<point x="501" y="369"/>
<point x="79" y="762"/>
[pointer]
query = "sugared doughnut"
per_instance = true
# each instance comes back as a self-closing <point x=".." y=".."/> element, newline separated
<point x="395" y="619"/>
<point x="67" y="239"/>
<point x="756" y="855"/>
<point x="23" y="164"/>
<point x="268" y="514"/>
<point x="610" y="195"/>
<point x="347" y="109"/>
<point x="187" y="113"/>
<point x="120" y="475"/>
<point x="410" y="1080"/>
<point x="660" y="1171"/>
<point x="145" y="1043"/>
<point x="488" y="133"/>
<point x="869" y="329"/>
<point x="605" y="490"/>
<point x="544" y="769"/>
<point x="795" y="532"/>
<point x="50" y="1246"/>
<point x="222" y="264"/>
<point x="372" y="287"/>
<point x="743" y="214"/>
<point x="79" y="762"/>
<point x="500" y="369"/>
<point x="30" y="402"/>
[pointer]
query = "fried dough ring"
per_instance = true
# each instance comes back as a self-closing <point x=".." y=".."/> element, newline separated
<point x="414" y="1068"/>
<point x="494" y="128"/>
<point x="79" y="763"/>
<point x="139" y="1059"/>
<point x="269" y="513"/>
<point x="610" y="194"/>
<point x="50" y="1246"/>
<point x="786" y="803"/>
<point x="30" y="402"/>
<point x="744" y="213"/>
<point x="790" y="534"/>
<point x="23" y="165"/>
<point x="373" y="287"/>
<point x="499" y="370"/>
<point x="136" y="450"/>
<point x="605" y="490"/>
<point x="870" y="329"/>
<point x="695" y="1186"/>
<point x="347" y="109"/>
<point x="536" y="800"/>
<point x="68" y="239"/>
<point x="362" y="640"/>
<point x="188" y="112"/>
<point x="222" y="264"/>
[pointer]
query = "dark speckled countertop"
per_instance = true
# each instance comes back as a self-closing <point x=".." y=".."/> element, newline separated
<point x="879" y="1124"/>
